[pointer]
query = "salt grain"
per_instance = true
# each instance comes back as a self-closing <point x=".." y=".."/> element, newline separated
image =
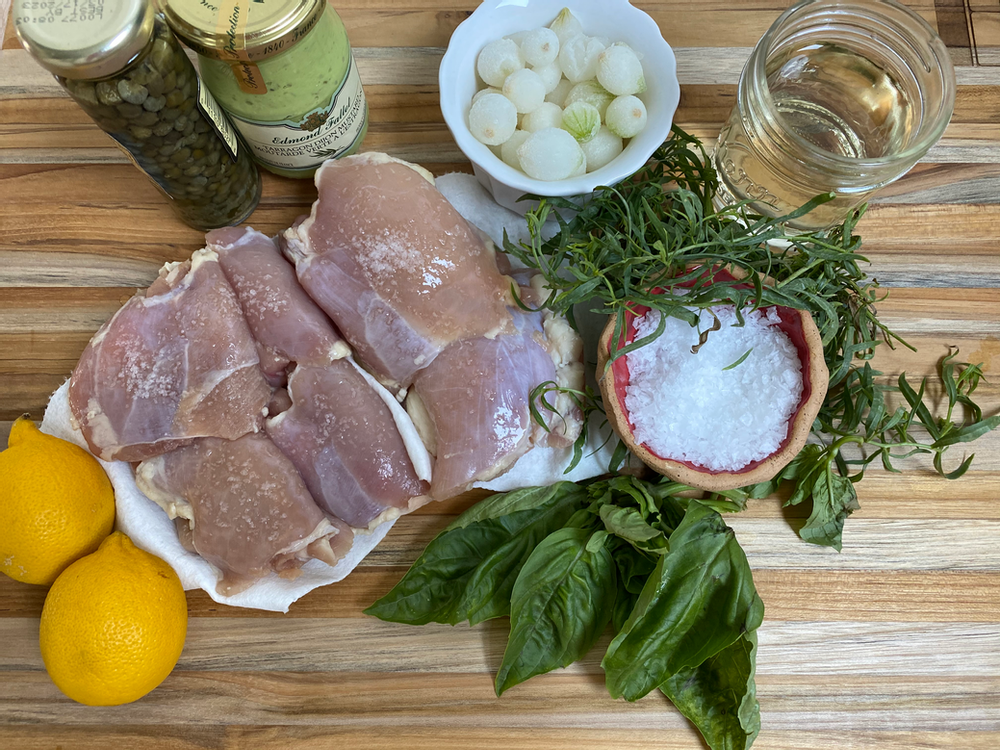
<point x="688" y="407"/>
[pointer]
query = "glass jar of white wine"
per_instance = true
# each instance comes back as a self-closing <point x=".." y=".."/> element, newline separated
<point x="839" y="96"/>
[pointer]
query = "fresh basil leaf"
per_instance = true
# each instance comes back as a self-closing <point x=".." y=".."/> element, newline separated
<point x="468" y="570"/>
<point x="634" y="568"/>
<point x="719" y="696"/>
<point x="625" y="602"/>
<point x="629" y="524"/>
<point x="597" y="540"/>
<point x="507" y="503"/>
<point x="698" y="600"/>
<point x="560" y="605"/>
<point x="834" y="499"/>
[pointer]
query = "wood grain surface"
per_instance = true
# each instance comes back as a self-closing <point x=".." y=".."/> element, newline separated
<point x="892" y="644"/>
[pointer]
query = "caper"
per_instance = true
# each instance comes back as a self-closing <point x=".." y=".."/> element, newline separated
<point x="162" y="128"/>
<point x="175" y="98"/>
<point x="198" y="153"/>
<point x="140" y="132"/>
<point x="169" y="81"/>
<point x="169" y="114"/>
<point x="154" y="103"/>
<point x="180" y="155"/>
<point x="129" y="111"/>
<point x="155" y="84"/>
<point x="114" y="124"/>
<point x="85" y="93"/>
<point x="107" y="93"/>
<point x="140" y="74"/>
<point x="162" y="56"/>
<point x="132" y="92"/>
<point x="180" y="123"/>
<point x="147" y="119"/>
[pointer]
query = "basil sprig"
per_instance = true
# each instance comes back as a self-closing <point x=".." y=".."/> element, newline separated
<point x="565" y="561"/>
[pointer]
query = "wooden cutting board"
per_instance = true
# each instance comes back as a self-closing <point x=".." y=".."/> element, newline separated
<point x="893" y="643"/>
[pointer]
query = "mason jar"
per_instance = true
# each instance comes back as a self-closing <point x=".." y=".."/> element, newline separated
<point x="284" y="73"/>
<point x="839" y="97"/>
<point x="121" y="63"/>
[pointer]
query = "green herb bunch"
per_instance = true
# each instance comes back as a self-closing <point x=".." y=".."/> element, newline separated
<point x="566" y="561"/>
<point x="631" y="244"/>
<point x="663" y="570"/>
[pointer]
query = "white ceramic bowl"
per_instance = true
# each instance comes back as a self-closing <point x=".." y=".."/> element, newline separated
<point x="616" y="20"/>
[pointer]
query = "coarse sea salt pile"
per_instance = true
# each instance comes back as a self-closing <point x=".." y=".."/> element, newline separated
<point x="689" y="407"/>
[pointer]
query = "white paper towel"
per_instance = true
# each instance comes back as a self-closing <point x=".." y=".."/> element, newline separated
<point x="150" y="529"/>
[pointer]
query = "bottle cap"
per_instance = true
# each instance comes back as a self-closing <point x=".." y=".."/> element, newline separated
<point x="84" y="40"/>
<point x="240" y="31"/>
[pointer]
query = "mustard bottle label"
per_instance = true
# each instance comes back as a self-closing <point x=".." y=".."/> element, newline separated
<point x="323" y="133"/>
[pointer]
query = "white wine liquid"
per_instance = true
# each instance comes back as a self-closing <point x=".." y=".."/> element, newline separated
<point x="835" y="99"/>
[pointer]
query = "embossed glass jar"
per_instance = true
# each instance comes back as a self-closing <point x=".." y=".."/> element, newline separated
<point x="838" y="96"/>
<point x="284" y="73"/>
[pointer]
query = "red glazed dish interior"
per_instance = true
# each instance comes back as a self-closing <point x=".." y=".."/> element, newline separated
<point x="790" y="323"/>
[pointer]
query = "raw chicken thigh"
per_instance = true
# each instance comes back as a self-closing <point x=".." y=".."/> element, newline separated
<point x="248" y="509"/>
<point x="230" y="378"/>
<point x="471" y="405"/>
<point x="399" y="270"/>
<point x="172" y="365"/>
<point x="342" y="437"/>
<point x="286" y="324"/>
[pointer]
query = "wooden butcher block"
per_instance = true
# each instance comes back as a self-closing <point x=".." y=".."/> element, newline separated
<point x="892" y="644"/>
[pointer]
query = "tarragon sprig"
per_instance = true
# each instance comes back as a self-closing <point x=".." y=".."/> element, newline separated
<point x="659" y="228"/>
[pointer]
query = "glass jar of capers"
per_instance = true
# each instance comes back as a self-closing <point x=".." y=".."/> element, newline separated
<point x="119" y="60"/>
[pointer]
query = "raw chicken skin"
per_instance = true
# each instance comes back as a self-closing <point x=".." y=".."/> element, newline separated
<point x="249" y="511"/>
<point x="172" y="365"/>
<point x="398" y="269"/>
<point x="472" y="405"/>
<point x="286" y="324"/>
<point x="342" y="438"/>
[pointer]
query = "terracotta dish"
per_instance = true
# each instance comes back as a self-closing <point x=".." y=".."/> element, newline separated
<point x="798" y="325"/>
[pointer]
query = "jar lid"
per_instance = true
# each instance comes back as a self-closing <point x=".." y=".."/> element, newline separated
<point x="84" y="41"/>
<point x="241" y="30"/>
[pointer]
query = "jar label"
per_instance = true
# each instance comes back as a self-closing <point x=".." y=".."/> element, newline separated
<point x="214" y="114"/>
<point x="323" y="133"/>
<point x="231" y="27"/>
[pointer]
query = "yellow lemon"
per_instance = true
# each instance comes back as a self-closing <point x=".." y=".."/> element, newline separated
<point x="113" y="624"/>
<point x="56" y="504"/>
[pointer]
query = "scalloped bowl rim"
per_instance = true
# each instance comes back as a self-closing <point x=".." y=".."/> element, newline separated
<point x="485" y="24"/>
